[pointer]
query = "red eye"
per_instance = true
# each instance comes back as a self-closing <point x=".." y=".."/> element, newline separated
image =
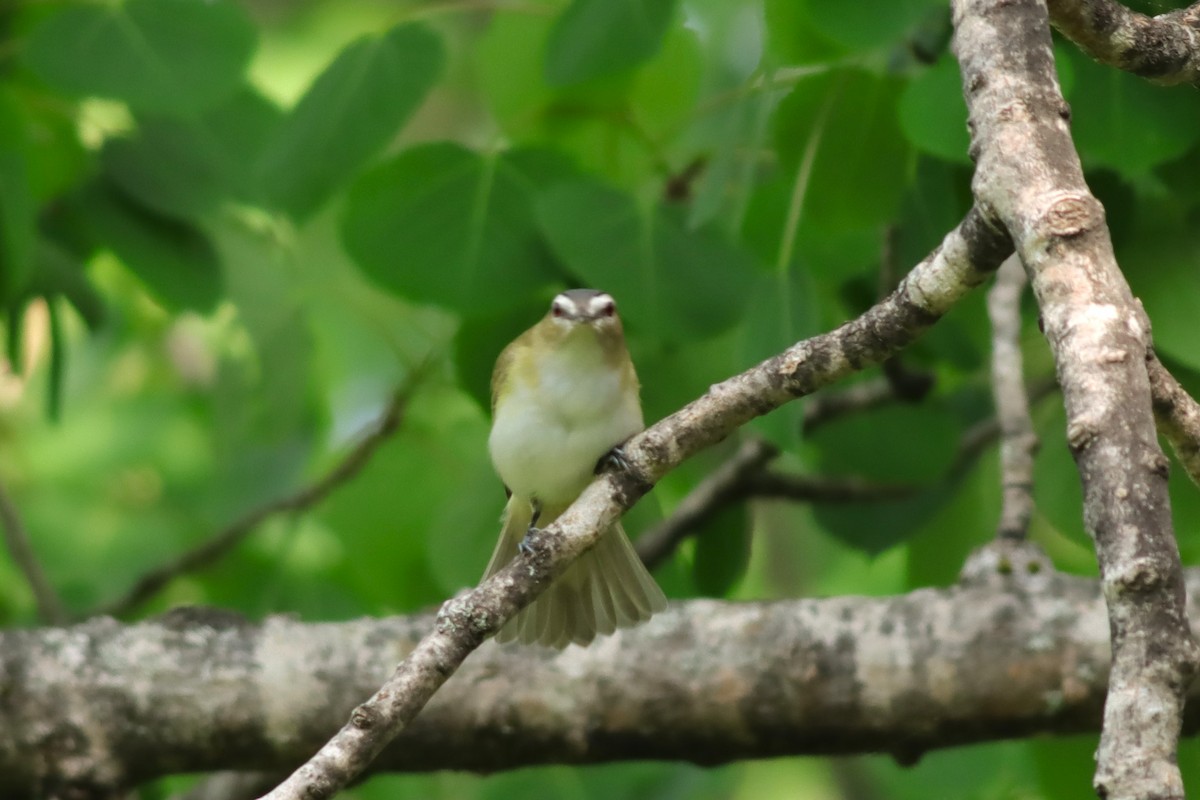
<point x="556" y="310"/>
<point x="608" y="309"/>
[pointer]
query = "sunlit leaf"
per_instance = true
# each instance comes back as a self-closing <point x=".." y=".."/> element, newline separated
<point x="350" y="112"/>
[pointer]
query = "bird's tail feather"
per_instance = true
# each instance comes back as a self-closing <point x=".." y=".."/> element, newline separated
<point x="606" y="588"/>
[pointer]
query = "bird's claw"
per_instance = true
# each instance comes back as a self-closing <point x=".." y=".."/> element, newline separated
<point x="535" y="512"/>
<point x="614" y="459"/>
<point x="525" y="546"/>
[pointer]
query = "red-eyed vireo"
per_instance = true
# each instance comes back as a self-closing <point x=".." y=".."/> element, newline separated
<point x="564" y="394"/>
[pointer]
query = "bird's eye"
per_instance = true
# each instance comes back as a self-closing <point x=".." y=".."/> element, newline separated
<point x="556" y="310"/>
<point x="608" y="309"/>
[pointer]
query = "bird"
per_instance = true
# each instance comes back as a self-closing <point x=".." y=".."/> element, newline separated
<point x="565" y="394"/>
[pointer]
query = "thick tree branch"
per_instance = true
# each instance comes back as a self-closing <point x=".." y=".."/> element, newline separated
<point x="1177" y="414"/>
<point x="965" y="259"/>
<point x="49" y="607"/>
<point x="1018" y="442"/>
<point x="1165" y="49"/>
<point x="224" y="540"/>
<point x="999" y="656"/>
<point x="1029" y="179"/>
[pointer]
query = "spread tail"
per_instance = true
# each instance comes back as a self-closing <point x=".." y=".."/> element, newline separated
<point x="606" y="588"/>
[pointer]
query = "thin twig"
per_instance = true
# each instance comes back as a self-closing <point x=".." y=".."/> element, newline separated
<point x="826" y="407"/>
<point x="227" y="538"/>
<point x="1018" y="442"/>
<point x="49" y="607"/>
<point x="744" y="477"/>
<point x="1177" y="414"/>
<point x="723" y="486"/>
<point x="819" y="489"/>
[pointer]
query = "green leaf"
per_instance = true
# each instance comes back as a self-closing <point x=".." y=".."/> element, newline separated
<point x="792" y="36"/>
<point x="722" y="551"/>
<point x="877" y="526"/>
<point x="1162" y="271"/>
<point x="480" y="339"/>
<point x="870" y="24"/>
<point x="441" y="224"/>
<point x="351" y="111"/>
<point x="595" y="38"/>
<point x="1057" y="495"/>
<point x="175" y="259"/>
<point x="58" y="272"/>
<point x="671" y="282"/>
<point x="933" y="113"/>
<point x="278" y="404"/>
<point x="1121" y="121"/>
<point x="846" y="123"/>
<point x="898" y="445"/>
<point x="187" y="167"/>
<point x="17" y="207"/>
<point x="168" y="56"/>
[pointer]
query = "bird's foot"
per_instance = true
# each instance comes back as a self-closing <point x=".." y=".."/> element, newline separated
<point x="614" y="459"/>
<point x="524" y="546"/>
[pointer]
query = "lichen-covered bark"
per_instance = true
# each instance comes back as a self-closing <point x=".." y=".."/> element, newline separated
<point x="102" y="706"/>
<point x="1029" y="180"/>
<point x="1165" y="49"/>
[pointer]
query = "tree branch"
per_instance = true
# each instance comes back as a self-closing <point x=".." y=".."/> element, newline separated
<point x="49" y="607"/>
<point x="1165" y="49"/>
<point x="725" y="485"/>
<point x="214" y="548"/>
<point x="1018" y="442"/>
<point x="965" y="259"/>
<point x="1177" y="414"/>
<point x="832" y="405"/>
<point x="1029" y="179"/>
<point x="1000" y="656"/>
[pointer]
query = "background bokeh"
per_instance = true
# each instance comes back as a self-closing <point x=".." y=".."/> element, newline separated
<point x="229" y="231"/>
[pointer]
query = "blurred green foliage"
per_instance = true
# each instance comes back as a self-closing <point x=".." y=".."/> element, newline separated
<point x="228" y="231"/>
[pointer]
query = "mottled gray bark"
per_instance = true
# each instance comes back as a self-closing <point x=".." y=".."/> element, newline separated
<point x="1028" y="179"/>
<point x="1010" y="652"/>
<point x="1165" y="48"/>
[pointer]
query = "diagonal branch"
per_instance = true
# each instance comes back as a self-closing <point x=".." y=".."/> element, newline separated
<point x="16" y="538"/>
<point x="1165" y="49"/>
<point x="964" y="260"/>
<point x="1178" y="416"/>
<point x="1029" y="179"/>
<point x="228" y="537"/>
